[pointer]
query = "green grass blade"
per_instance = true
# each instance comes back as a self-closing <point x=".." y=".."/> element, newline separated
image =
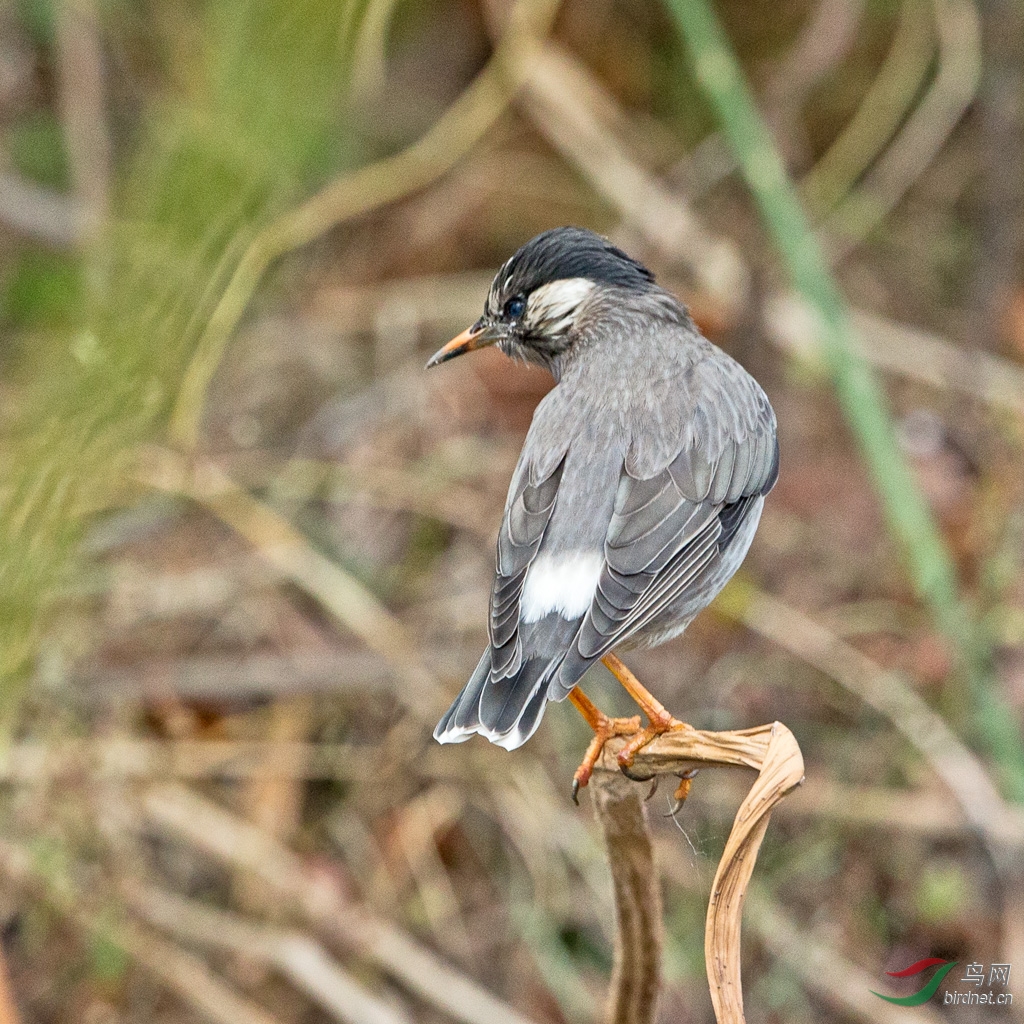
<point x="931" y="567"/>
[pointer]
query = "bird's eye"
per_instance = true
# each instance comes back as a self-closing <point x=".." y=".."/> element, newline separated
<point x="515" y="307"/>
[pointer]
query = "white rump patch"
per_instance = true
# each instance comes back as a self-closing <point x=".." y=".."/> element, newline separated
<point x="562" y="583"/>
<point x="554" y="305"/>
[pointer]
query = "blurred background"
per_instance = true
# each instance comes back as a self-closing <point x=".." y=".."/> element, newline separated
<point x="246" y="543"/>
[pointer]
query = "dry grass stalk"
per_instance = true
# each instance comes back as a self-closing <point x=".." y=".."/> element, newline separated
<point x="290" y="554"/>
<point x="180" y="812"/>
<point x="773" y="752"/>
<point x="636" y="976"/>
<point x="188" y="977"/>
<point x="298" y="957"/>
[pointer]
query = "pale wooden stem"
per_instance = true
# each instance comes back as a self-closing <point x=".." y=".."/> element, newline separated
<point x="772" y="751"/>
<point x="636" y="976"/>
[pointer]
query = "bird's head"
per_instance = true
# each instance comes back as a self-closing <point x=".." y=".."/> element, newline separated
<point x="536" y="298"/>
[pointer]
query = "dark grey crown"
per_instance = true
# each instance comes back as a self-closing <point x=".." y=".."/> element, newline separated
<point x="572" y="252"/>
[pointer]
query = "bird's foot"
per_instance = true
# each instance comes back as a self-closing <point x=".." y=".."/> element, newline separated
<point x="604" y="728"/>
<point x="660" y="720"/>
<point x="660" y="723"/>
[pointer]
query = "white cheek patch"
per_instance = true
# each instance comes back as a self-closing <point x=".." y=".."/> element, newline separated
<point x="554" y="305"/>
<point x="561" y="583"/>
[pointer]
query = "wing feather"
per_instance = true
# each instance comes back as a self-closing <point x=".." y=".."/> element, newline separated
<point x="528" y="512"/>
<point x="669" y="531"/>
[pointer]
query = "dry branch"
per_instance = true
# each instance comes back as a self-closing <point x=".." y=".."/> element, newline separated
<point x="636" y="976"/>
<point x="773" y="752"/>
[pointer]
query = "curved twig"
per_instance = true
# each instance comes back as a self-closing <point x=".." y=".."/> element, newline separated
<point x="368" y="188"/>
<point x="773" y="752"/>
<point x="782" y="769"/>
<point x="923" y="135"/>
<point x="879" y="114"/>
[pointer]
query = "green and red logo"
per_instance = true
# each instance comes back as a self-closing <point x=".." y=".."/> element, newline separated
<point x="924" y="994"/>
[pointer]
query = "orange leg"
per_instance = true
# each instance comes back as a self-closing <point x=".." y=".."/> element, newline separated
<point x="605" y="727"/>
<point x="660" y="719"/>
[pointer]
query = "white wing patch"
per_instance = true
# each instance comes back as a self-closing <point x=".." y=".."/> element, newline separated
<point x="562" y="583"/>
<point x="554" y="305"/>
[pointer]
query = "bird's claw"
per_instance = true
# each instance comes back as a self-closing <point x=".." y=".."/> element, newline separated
<point x="682" y="791"/>
<point x="635" y="776"/>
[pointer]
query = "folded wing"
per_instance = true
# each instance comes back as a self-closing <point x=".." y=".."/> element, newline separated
<point x="668" y="546"/>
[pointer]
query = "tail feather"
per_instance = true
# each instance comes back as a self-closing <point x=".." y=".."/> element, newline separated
<point x="462" y="719"/>
<point x="527" y="718"/>
<point x="505" y="711"/>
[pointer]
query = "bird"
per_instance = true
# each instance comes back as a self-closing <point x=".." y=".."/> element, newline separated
<point x="635" y="498"/>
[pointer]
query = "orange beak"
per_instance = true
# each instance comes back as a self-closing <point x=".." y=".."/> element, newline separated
<point x="480" y="335"/>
